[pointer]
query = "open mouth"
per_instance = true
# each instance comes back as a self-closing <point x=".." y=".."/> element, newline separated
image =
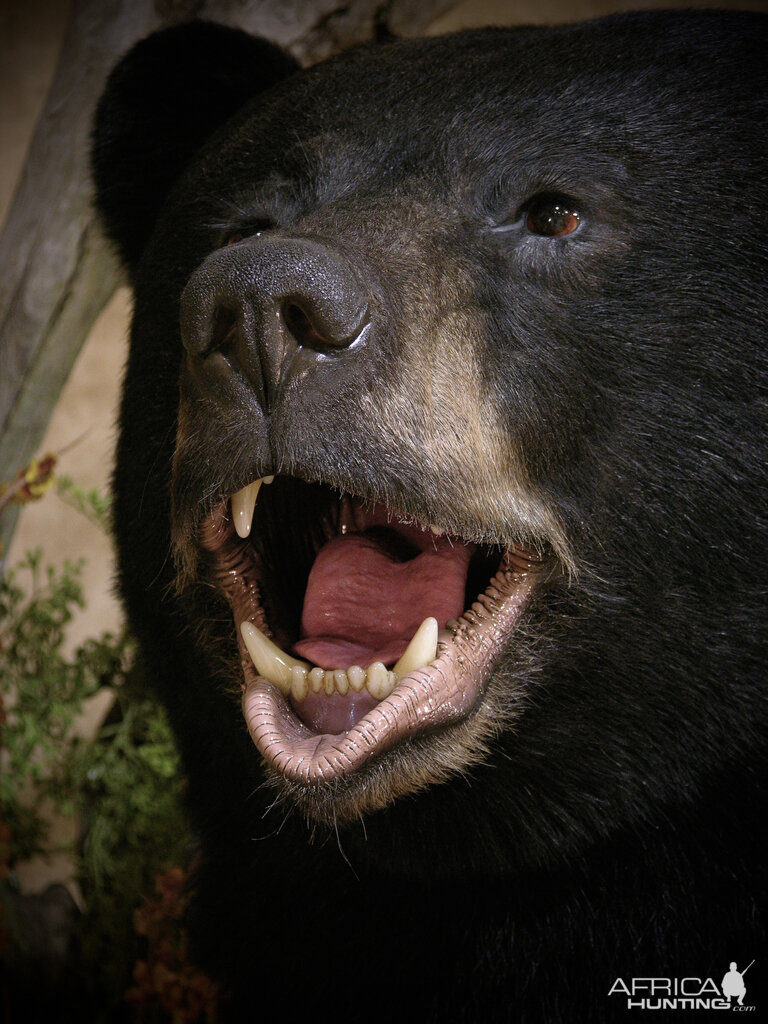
<point x="359" y="627"/>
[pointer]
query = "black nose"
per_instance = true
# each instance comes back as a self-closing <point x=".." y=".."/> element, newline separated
<point x="274" y="307"/>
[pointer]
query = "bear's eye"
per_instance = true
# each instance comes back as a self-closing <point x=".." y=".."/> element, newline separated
<point x="252" y="229"/>
<point x="551" y="216"/>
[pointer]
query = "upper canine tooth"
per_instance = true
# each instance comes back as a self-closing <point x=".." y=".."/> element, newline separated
<point x="270" y="661"/>
<point x="243" y="504"/>
<point x="420" y="651"/>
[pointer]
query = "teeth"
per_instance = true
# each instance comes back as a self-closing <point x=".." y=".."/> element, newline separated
<point x="377" y="680"/>
<point x="272" y="663"/>
<point x="420" y="651"/>
<point x="243" y="504"/>
<point x="299" y="682"/>
<point x="297" y="678"/>
<point x="316" y="679"/>
<point x="356" y="677"/>
<point x="437" y="530"/>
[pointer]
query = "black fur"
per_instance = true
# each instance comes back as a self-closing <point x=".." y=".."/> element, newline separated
<point x="160" y="104"/>
<point x="615" y="829"/>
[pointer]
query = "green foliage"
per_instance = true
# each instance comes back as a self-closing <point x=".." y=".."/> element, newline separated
<point x="42" y="693"/>
<point x="124" y="787"/>
<point x="130" y="788"/>
<point x="91" y="503"/>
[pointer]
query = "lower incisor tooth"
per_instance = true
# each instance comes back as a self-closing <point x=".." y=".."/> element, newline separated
<point x="299" y="682"/>
<point x="356" y="677"/>
<point x="316" y="679"/>
<point x="378" y="680"/>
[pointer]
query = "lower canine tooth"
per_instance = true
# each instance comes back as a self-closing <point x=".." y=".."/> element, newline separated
<point x="269" y="660"/>
<point x="420" y="651"/>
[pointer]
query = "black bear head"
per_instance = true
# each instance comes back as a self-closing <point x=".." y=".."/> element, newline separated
<point x="489" y="309"/>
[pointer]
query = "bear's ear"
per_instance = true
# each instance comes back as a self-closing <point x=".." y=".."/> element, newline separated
<point x="161" y="102"/>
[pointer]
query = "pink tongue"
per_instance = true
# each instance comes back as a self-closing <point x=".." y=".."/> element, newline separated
<point x="362" y="605"/>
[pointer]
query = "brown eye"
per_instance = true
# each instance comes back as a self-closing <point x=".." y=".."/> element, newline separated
<point x="552" y="217"/>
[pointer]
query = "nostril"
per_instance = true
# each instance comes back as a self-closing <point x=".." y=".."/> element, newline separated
<point x="301" y="327"/>
<point x="224" y="329"/>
